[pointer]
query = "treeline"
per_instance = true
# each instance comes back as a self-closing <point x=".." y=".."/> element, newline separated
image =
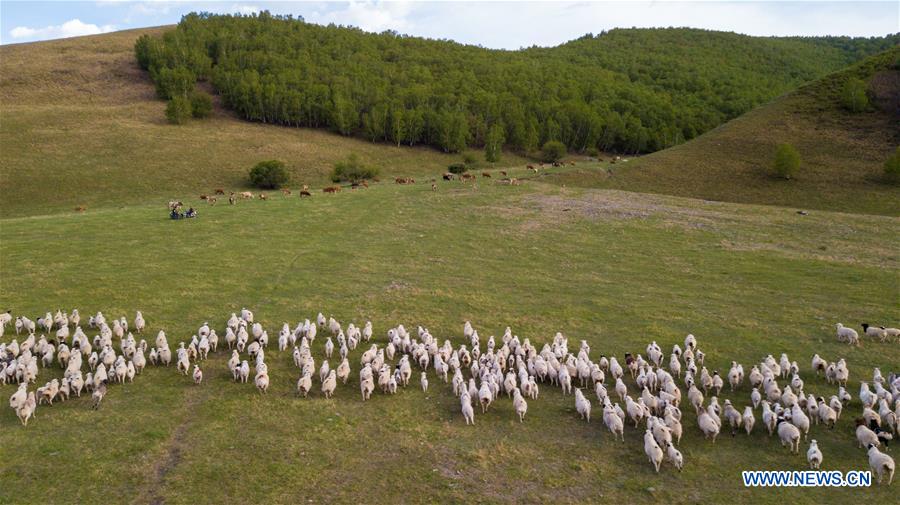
<point x="636" y="90"/>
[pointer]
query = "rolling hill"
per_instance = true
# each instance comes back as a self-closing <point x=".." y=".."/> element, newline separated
<point x="842" y="152"/>
<point x="82" y="126"/>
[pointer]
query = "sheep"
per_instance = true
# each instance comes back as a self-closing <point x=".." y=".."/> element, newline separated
<point x="814" y="455"/>
<point x="652" y="450"/>
<point x="519" y="404"/>
<point x="26" y="410"/>
<point x="198" y="375"/>
<point x="708" y="425"/>
<point x="881" y="463"/>
<point x="735" y="419"/>
<point x="467" y="411"/>
<point x="748" y="419"/>
<point x="343" y="370"/>
<point x="799" y="419"/>
<point x="244" y="373"/>
<point x="674" y="456"/>
<point x="582" y="405"/>
<point x="613" y="421"/>
<point x="19" y="397"/>
<point x="304" y="385"/>
<point x="827" y="414"/>
<point x="98" y="394"/>
<point x="329" y="384"/>
<point x="485" y="396"/>
<point x="262" y="382"/>
<point x="423" y="381"/>
<point x="789" y="435"/>
<point x="878" y="332"/>
<point x="818" y="364"/>
<point x="847" y="335"/>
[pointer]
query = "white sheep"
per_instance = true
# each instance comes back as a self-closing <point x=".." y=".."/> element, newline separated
<point x="329" y="384"/>
<point x="674" y="456"/>
<point x="847" y="335"/>
<point x="424" y="382"/>
<point x="467" y="411"/>
<point x="748" y="419"/>
<point x="304" y="385"/>
<point x="881" y="463"/>
<point x="789" y="435"/>
<point x="652" y="450"/>
<point x="262" y="381"/>
<point x="708" y="425"/>
<point x="519" y="404"/>
<point x="814" y="455"/>
<point x="582" y="405"/>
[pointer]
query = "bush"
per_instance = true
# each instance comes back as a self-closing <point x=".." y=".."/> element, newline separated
<point x="787" y="161"/>
<point x="853" y="95"/>
<point x="470" y="160"/>
<point x="553" y="150"/>
<point x="593" y="152"/>
<point x="178" y="110"/>
<point x="269" y="174"/>
<point x="457" y="168"/>
<point x="352" y="170"/>
<point x="201" y="104"/>
<point x="892" y="167"/>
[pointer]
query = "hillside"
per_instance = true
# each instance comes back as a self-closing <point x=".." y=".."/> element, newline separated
<point x="842" y="152"/>
<point x="633" y="90"/>
<point x="81" y="125"/>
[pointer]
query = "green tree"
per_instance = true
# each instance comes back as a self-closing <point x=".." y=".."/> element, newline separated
<point x="352" y="170"/>
<point x="178" y="110"/>
<point x="457" y="168"/>
<point x="892" y="167"/>
<point x="853" y="95"/>
<point x="553" y="150"/>
<point x="269" y="174"/>
<point x="787" y="161"/>
<point x="493" y="144"/>
<point x="201" y="104"/>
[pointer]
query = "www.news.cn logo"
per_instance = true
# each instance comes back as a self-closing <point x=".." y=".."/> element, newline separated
<point x="806" y="478"/>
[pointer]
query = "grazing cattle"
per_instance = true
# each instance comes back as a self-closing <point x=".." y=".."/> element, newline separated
<point x="503" y="173"/>
<point x="212" y="200"/>
<point x="433" y="186"/>
<point x="365" y="184"/>
<point x="80" y="208"/>
<point x="262" y="196"/>
<point x="448" y="176"/>
<point x="246" y="195"/>
<point x="231" y="199"/>
<point x="466" y="176"/>
<point x="306" y="187"/>
<point x="204" y="197"/>
<point x="220" y="191"/>
<point x="486" y="175"/>
<point x="572" y="163"/>
<point x="286" y="192"/>
<point x="405" y="180"/>
<point x="305" y="193"/>
<point x="331" y="189"/>
<point x="533" y="169"/>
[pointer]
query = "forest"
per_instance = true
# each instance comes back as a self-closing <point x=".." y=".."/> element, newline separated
<point x="625" y="90"/>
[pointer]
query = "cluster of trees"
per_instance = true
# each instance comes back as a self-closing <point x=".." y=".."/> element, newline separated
<point x="623" y="90"/>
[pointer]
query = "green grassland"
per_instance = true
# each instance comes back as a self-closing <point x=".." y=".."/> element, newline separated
<point x="842" y="153"/>
<point x="82" y="126"/>
<point x="613" y="268"/>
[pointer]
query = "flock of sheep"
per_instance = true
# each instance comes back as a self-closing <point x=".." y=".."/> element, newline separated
<point x="507" y="366"/>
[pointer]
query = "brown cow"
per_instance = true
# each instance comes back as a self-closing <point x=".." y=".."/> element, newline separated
<point x="486" y="175"/>
<point x="204" y="197"/>
<point x="220" y="191"/>
<point x="332" y="189"/>
<point x="304" y="192"/>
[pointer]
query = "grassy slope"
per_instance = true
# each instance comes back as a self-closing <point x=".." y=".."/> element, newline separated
<point x="79" y="116"/>
<point x="603" y="266"/>
<point x="843" y="154"/>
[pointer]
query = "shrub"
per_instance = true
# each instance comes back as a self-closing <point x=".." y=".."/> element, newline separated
<point x="553" y="150"/>
<point x="269" y="174"/>
<point x="593" y="152"/>
<point x="178" y="110"/>
<point x="457" y="168"/>
<point x="352" y="170"/>
<point x="853" y="95"/>
<point x="787" y="161"/>
<point x="201" y="104"/>
<point x="892" y="167"/>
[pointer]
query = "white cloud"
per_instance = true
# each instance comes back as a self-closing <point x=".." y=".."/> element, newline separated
<point x="372" y="16"/>
<point x="245" y="9"/>
<point x="71" y="28"/>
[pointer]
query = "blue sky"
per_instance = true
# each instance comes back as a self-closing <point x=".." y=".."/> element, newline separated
<point x="507" y="25"/>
